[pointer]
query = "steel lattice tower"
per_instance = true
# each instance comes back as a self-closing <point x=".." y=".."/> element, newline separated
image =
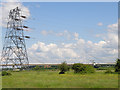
<point x="14" y="49"/>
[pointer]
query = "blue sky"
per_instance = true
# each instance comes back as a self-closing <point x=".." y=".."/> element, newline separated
<point x="74" y="17"/>
<point x="69" y="31"/>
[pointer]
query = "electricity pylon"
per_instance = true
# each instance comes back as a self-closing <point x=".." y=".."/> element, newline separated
<point x="14" y="51"/>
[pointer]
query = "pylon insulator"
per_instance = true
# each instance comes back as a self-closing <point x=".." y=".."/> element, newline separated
<point x="14" y="49"/>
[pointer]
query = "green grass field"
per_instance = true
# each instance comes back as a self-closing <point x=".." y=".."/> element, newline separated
<point x="51" y="79"/>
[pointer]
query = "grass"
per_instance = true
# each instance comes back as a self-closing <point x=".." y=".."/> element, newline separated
<point x="51" y="79"/>
<point x="0" y="80"/>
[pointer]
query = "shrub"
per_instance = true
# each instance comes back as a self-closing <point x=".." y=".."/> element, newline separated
<point x="90" y="69"/>
<point x="63" y="67"/>
<point x="105" y="68"/>
<point x="4" y="73"/>
<point x="61" y="72"/>
<point x="78" y="68"/>
<point x="36" y="68"/>
<point x="68" y="68"/>
<point x="81" y="68"/>
<point x="108" y="71"/>
<point x="117" y="66"/>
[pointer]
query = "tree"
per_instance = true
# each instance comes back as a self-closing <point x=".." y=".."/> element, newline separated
<point x="78" y="67"/>
<point x="63" y="67"/>
<point x="117" y="66"/>
<point x="81" y="68"/>
<point x="36" y="68"/>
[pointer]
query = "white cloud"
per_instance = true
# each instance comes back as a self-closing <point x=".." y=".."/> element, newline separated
<point x="7" y="6"/>
<point x="44" y="32"/>
<point x="51" y="52"/>
<point x="111" y="37"/>
<point x="76" y="35"/>
<point x="100" y="24"/>
<point x="65" y="33"/>
<point x="82" y="51"/>
<point x="80" y="41"/>
<point x="113" y="27"/>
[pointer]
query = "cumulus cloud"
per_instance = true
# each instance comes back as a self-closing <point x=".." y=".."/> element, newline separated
<point x="45" y="33"/>
<point x="82" y="51"/>
<point x="113" y="27"/>
<point x="100" y="24"/>
<point x="76" y="35"/>
<point x="51" y="52"/>
<point x="7" y="6"/>
<point x="65" y="33"/>
<point x="112" y="35"/>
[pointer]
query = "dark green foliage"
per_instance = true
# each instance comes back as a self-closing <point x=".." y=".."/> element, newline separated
<point x="81" y="68"/>
<point x="4" y="73"/>
<point x="63" y="67"/>
<point x="117" y="66"/>
<point x="42" y="67"/>
<point x="78" y="67"/>
<point x="68" y="68"/>
<point x="108" y="71"/>
<point x="105" y="68"/>
<point x="54" y="67"/>
<point x="36" y="68"/>
<point x="61" y="72"/>
<point x="90" y="69"/>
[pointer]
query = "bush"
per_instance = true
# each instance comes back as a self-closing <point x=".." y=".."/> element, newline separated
<point x="108" y="71"/>
<point x="4" y="73"/>
<point x="78" y="68"/>
<point x="117" y="66"/>
<point x="105" y="68"/>
<point x="63" y="67"/>
<point x="90" y="69"/>
<point x="36" y="68"/>
<point x="61" y="72"/>
<point x="81" y="68"/>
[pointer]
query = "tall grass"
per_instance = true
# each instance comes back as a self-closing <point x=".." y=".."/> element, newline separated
<point x="51" y="79"/>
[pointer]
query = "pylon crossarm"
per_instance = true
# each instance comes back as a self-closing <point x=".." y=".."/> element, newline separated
<point x="14" y="49"/>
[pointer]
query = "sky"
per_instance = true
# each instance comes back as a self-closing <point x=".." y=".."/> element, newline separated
<point x="75" y="32"/>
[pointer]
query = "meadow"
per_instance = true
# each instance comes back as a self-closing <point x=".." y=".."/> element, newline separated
<point x="51" y="79"/>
